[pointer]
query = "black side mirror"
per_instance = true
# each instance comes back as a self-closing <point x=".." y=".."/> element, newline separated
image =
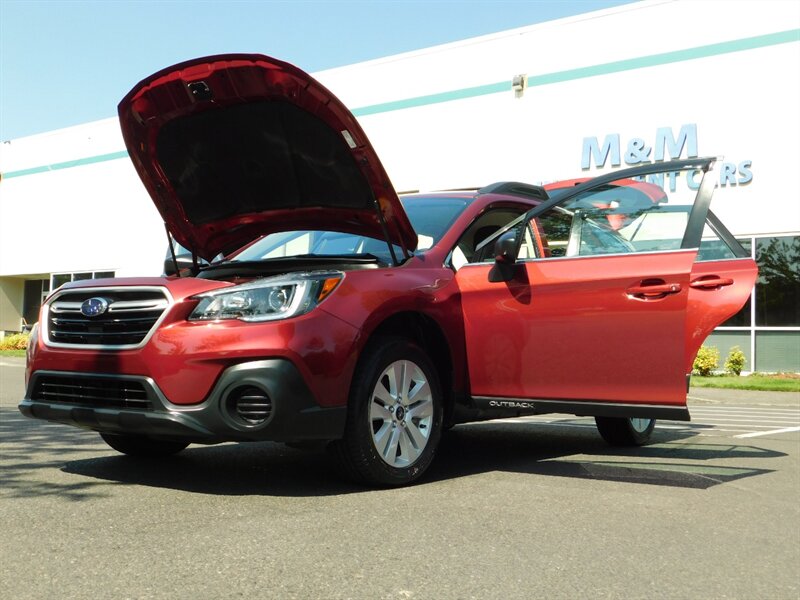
<point x="184" y="263"/>
<point x="505" y="256"/>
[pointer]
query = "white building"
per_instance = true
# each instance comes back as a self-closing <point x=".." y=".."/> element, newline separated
<point x="574" y="97"/>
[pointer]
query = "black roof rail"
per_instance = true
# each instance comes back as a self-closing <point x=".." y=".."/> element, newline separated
<point x="515" y="188"/>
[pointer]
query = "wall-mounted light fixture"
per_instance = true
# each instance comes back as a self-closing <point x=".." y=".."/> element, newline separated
<point x="518" y="84"/>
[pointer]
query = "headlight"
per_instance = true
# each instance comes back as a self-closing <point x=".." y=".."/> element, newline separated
<point x="267" y="299"/>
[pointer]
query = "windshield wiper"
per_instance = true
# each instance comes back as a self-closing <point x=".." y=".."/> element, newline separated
<point x="338" y="257"/>
<point x="311" y="259"/>
<point x="289" y="264"/>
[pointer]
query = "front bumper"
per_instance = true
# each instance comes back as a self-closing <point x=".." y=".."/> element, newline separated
<point x="294" y="415"/>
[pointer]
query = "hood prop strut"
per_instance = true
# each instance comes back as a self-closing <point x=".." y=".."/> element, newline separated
<point x="386" y="236"/>
<point x="172" y="251"/>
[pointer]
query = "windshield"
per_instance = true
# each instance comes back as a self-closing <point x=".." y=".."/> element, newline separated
<point x="430" y="216"/>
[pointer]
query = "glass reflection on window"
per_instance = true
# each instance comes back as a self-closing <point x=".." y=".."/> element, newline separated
<point x="741" y="318"/>
<point x="778" y="285"/>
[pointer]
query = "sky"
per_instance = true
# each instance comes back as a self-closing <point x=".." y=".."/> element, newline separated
<point x="64" y="63"/>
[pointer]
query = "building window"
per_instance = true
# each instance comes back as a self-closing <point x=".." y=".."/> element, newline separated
<point x="59" y="279"/>
<point x="777" y="351"/>
<point x="770" y="320"/>
<point x="778" y="286"/>
<point x="34" y="293"/>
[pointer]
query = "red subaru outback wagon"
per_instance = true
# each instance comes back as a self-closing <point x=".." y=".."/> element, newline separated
<point x="318" y="305"/>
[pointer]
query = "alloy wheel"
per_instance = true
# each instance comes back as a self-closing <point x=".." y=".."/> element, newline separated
<point x="640" y="425"/>
<point x="401" y="413"/>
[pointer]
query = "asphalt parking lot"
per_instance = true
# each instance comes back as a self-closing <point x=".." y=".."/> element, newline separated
<point x="531" y="508"/>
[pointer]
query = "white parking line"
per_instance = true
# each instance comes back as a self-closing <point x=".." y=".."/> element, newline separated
<point x="774" y="423"/>
<point x="709" y="421"/>
<point x="788" y="412"/>
<point x="753" y="419"/>
<point x="773" y="432"/>
<point x="10" y="364"/>
<point x="742" y="413"/>
<point x="527" y="420"/>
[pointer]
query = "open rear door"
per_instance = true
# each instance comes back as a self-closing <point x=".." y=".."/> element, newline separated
<point x="723" y="276"/>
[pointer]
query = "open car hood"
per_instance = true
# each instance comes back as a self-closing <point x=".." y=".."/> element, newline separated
<point x="233" y="147"/>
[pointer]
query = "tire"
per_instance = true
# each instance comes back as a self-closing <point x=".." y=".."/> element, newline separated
<point x="391" y="435"/>
<point x="141" y="446"/>
<point x="625" y="431"/>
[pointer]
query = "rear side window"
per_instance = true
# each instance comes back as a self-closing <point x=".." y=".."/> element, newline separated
<point x="623" y="217"/>
<point x="713" y="248"/>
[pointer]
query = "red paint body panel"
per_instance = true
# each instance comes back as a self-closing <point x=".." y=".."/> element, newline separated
<point x="185" y="358"/>
<point x="239" y="79"/>
<point x="710" y="307"/>
<point x="563" y="328"/>
<point x="567" y="329"/>
<point x="366" y="299"/>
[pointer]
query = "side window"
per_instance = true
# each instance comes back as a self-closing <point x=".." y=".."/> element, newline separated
<point x="581" y="232"/>
<point x="528" y="248"/>
<point x="625" y="216"/>
<point x="553" y="230"/>
<point x="484" y="226"/>
<point x="713" y="248"/>
<point x="622" y="217"/>
<point x="656" y="229"/>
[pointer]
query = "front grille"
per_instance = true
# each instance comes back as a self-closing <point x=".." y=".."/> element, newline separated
<point x="131" y="314"/>
<point x="95" y="392"/>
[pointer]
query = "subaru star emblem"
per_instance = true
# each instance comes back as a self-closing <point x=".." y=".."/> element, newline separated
<point x="94" y="307"/>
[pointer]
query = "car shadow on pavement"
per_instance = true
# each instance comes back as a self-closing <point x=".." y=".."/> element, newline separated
<point x="31" y="448"/>
<point x="30" y="451"/>
<point x="673" y="458"/>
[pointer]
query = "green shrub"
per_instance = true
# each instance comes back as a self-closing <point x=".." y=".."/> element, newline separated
<point x="15" y="341"/>
<point x="735" y="361"/>
<point x="706" y="361"/>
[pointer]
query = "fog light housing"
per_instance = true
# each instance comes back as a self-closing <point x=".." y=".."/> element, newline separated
<point x="249" y="405"/>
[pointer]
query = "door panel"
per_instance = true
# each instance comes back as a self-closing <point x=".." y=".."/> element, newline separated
<point x="628" y="281"/>
<point x="717" y="290"/>
<point x="570" y="328"/>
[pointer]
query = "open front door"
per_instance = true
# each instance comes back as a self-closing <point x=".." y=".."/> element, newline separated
<point x="615" y="301"/>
